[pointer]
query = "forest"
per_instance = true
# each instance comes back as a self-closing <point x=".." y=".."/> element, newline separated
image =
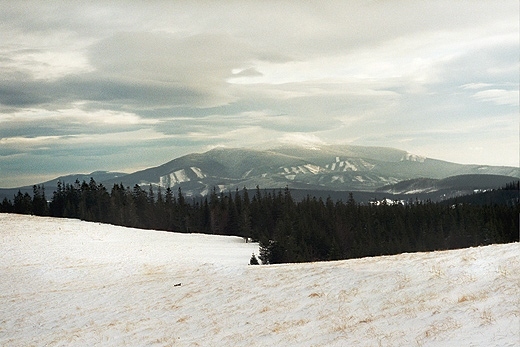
<point x="311" y="229"/>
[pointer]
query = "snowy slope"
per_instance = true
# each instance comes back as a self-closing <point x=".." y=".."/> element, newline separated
<point x="72" y="283"/>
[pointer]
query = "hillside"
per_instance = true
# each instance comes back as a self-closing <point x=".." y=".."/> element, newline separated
<point x="447" y="188"/>
<point x="73" y="283"/>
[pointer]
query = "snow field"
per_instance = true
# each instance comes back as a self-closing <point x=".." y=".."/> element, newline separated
<point x="72" y="283"/>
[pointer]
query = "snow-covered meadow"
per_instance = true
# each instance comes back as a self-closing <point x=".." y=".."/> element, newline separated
<point x="72" y="283"/>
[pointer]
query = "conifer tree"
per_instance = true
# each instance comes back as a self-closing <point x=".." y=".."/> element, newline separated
<point x="39" y="202"/>
<point x="6" y="206"/>
<point x="22" y="203"/>
<point x="253" y="260"/>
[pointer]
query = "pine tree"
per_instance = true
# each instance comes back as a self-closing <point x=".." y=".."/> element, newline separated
<point x="253" y="260"/>
<point x="39" y="202"/>
<point x="22" y="203"/>
<point x="6" y="206"/>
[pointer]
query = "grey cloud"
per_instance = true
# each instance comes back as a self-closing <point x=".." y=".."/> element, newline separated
<point x="60" y="127"/>
<point x="199" y="64"/>
<point x="37" y="17"/>
<point x="491" y="65"/>
<point x="309" y="114"/>
<point x="18" y="129"/>
<point x="125" y="93"/>
<point x="23" y="93"/>
<point x="95" y="88"/>
<point x="141" y="70"/>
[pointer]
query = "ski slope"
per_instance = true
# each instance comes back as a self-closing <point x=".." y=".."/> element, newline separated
<point x="72" y="283"/>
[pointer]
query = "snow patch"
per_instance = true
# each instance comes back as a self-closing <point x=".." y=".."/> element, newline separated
<point x="198" y="172"/>
<point x="387" y="202"/>
<point x="367" y="165"/>
<point x="418" y="191"/>
<point x="314" y="169"/>
<point x="173" y="178"/>
<point x="302" y="169"/>
<point x="338" y="178"/>
<point x="181" y="176"/>
<point x="349" y="166"/>
<point x="247" y="173"/>
<point x="359" y="178"/>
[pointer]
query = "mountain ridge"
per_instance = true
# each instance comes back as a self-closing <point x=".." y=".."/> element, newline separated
<point x="324" y="168"/>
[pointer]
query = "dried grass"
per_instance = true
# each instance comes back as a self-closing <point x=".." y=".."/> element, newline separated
<point x="316" y="295"/>
<point x="438" y="329"/>
<point x="183" y="319"/>
<point x="486" y="318"/>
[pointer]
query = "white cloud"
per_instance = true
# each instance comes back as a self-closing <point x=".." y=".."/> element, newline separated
<point x="62" y="117"/>
<point x="301" y="139"/>
<point x="66" y="141"/>
<point x="499" y="96"/>
<point x="49" y="65"/>
<point x="476" y="85"/>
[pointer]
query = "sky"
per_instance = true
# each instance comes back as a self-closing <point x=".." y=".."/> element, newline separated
<point x="126" y="85"/>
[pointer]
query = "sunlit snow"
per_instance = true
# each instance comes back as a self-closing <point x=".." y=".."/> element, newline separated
<point x="198" y="172"/>
<point x="72" y="283"/>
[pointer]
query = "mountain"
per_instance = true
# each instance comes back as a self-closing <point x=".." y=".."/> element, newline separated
<point x="372" y="171"/>
<point x="447" y="188"/>
<point x="325" y="168"/>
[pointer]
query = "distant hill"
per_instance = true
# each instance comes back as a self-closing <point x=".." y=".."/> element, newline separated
<point x="447" y="188"/>
<point x="51" y="185"/>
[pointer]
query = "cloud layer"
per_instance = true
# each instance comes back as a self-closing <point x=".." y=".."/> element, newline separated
<point x="122" y="86"/>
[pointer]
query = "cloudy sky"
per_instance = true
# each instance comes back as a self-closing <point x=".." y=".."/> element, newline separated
<point x="125" y="85"/>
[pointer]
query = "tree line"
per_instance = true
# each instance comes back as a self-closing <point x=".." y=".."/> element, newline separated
<point x="312" y="229"/>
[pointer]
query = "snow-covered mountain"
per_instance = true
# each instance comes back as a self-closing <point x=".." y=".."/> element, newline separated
<point x="73" y="283"/>
<point x="318" y="169"/>
<point x="333" y="168"/>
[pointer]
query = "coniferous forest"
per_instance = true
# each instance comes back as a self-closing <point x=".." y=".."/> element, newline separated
<point x="312" y="229"/>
